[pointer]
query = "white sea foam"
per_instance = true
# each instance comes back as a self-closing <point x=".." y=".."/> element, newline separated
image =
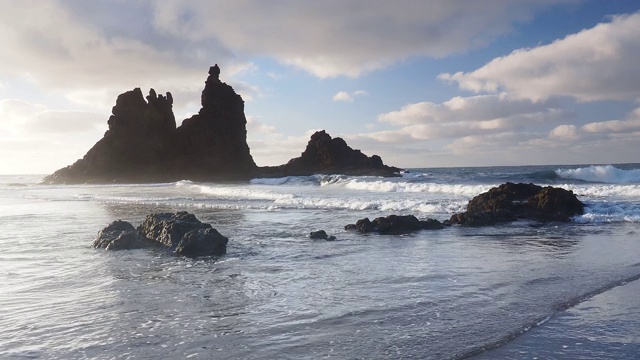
<point x="418" y="205"/>
<point x="607" y="212"/>
<point x="603" y="174"/>
<point x="247" y="193"/>
<point x="416" y="187"/>
<point x="604" y="190"/>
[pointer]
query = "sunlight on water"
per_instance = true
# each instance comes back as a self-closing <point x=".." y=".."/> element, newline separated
<point x="278" y="294"/>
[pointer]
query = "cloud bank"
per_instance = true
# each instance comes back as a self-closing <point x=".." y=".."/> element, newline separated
<point x="600" y="63"/>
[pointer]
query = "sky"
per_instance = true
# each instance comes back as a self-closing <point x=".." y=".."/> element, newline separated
<point x="422" y="83"/>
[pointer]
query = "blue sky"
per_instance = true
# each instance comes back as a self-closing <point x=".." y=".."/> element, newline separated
<point x="420" y="83"/>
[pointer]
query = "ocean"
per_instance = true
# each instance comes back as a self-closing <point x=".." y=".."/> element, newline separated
<point x="515" y="291"/>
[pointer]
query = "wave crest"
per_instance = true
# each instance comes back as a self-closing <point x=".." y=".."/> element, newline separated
<point x="602" y="174"/>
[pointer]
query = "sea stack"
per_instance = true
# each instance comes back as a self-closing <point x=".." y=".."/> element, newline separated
<point x="144" y="145"/>
<point x="327" y="155"/>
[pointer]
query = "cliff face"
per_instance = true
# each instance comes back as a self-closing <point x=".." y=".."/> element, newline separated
<point x="144" y="145"/>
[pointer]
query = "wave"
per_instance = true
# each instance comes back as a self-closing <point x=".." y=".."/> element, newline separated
<point x="300" y="180"/>
<point x="601" y="174"/>
<point x="544" y="175"/>
<point x="415" y="187"/>
<point x="241" y="193"/>
<point x="400" y="205"/>
<point x="610" y="212"/>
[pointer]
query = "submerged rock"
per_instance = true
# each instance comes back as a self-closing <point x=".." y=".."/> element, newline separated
<point x="509" y="202"/>
<point x="321" y="235"/>
<point x="394" y="224"/>
<point x="181" y="233"/>
<point x="120" y="235"/>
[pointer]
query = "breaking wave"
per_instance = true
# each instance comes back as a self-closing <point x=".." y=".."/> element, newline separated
<point x="601" y="174"/>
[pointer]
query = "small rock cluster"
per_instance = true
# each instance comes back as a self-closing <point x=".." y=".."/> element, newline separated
<point x="394" y="224"/>
<point x="321" y="235"/>
<point x="181" y="233"/>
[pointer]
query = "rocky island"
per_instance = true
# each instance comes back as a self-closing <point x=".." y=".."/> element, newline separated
<point x="143" y="144"/>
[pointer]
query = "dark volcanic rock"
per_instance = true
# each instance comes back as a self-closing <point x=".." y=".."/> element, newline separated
<point x="326" y="155"/>
<point x="509" y="202"/>
<point x="321" y="235"/>
<point x="120" y="235"/>
<point x="214" y="141"/>
<point x="169" y="228"/>
<point x="143" y="144"/>
<point x="202" y="242"/>
<point x="394" y="224"/>
<point x="181" y="233"/>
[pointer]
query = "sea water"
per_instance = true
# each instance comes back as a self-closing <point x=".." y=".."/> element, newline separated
<point x="520" y="290"/>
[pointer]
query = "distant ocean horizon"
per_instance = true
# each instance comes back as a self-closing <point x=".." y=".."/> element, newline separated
<point x="516" y="291"/>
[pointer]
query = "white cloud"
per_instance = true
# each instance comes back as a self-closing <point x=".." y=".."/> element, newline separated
<point x="349" y="97"/>
<point x="21" y="117"/>
<point x="564" y="132"/>
<point x="598" y="130"/>
<point x="613" y="126"/>
<point x="600" y="63"/>
<point x="257" y="127"/>
<point x="343" y="96"/>
<point x="276" y="148"/>
<point x="45" y="139"/>
<point x="92" y="53"/>
<point x="461" y="116"/>
<point x="331" y="38"/>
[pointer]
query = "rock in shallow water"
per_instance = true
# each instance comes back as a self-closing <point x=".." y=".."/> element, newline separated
<point x="202" y="242"/>
<point x="321" y="235"/>
<point x="509" y="202"/>
<point x="169" y="228"/>
<point x="120" y="235"/>
<point x="394" y="224"/>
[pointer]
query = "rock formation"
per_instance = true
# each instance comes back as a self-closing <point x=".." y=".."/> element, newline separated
<point x="321" y="235"/>
<point x="509" y="202"/>
<point x="181" y="233"/>
<point x="212" y="145"/>
<point x="120" y="235"/>
<point x="327" y="155"/>
<point x="143" y="144"/>
<point x="394" y="224"/>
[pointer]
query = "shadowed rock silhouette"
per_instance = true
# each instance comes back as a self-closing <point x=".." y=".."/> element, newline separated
<point x="143" y="144"/>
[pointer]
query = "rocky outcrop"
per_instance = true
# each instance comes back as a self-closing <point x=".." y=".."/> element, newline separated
<point x="321" y="235"/>
<point x="143" y="144"/>
<point x="509" y="202"/>
<point x="212" y="145"/>
<point x="327" y="155"/>
<point x="120" y="235"/>
<point x="394" y="224"/>
<point x="181" y="233"/>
